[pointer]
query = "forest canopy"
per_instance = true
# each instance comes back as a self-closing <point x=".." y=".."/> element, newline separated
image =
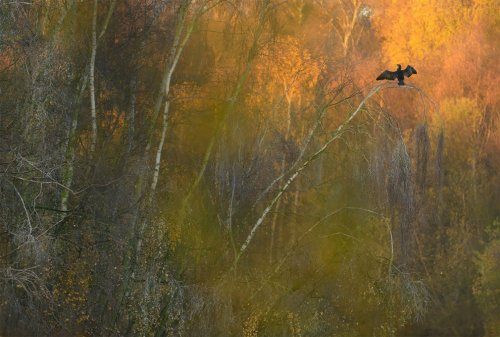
<point x="232" y="168"/>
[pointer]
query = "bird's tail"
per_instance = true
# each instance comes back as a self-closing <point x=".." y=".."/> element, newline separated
<point x="401" y="82"/>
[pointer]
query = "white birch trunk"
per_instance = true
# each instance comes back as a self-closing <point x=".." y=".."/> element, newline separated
<point x="166" y="110"/>
<point x="92" y="79"/>
<point x="71" y="146"/>
<point x="156" y="172"/>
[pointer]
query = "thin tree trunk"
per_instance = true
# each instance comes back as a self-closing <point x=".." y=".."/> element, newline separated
<point x="70" y="157"/>
<point x="172" y="64"/>
<point x="67" y="174"/>
<point x="141" y="220"/>
<point x="156" y="172"/>
<point x="165" y="88"/>
<point x="92" y="79"/>
<point x="92" y="69"/>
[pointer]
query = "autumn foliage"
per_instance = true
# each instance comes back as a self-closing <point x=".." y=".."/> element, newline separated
<point x="232" y="168"/>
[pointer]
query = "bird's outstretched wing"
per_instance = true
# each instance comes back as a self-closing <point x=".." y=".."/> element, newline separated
<point x="409" y="70"/>
<point x="387" y="75"/>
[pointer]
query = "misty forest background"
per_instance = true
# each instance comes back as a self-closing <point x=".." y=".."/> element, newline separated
<point x="231" y="168"/>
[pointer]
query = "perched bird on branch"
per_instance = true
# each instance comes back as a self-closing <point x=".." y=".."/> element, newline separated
<point x="399" y="74"/>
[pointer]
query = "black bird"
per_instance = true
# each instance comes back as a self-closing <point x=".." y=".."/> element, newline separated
<point x="399" y="74"/>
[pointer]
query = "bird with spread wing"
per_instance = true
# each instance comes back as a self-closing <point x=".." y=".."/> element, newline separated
<point x="398" y="74"/>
